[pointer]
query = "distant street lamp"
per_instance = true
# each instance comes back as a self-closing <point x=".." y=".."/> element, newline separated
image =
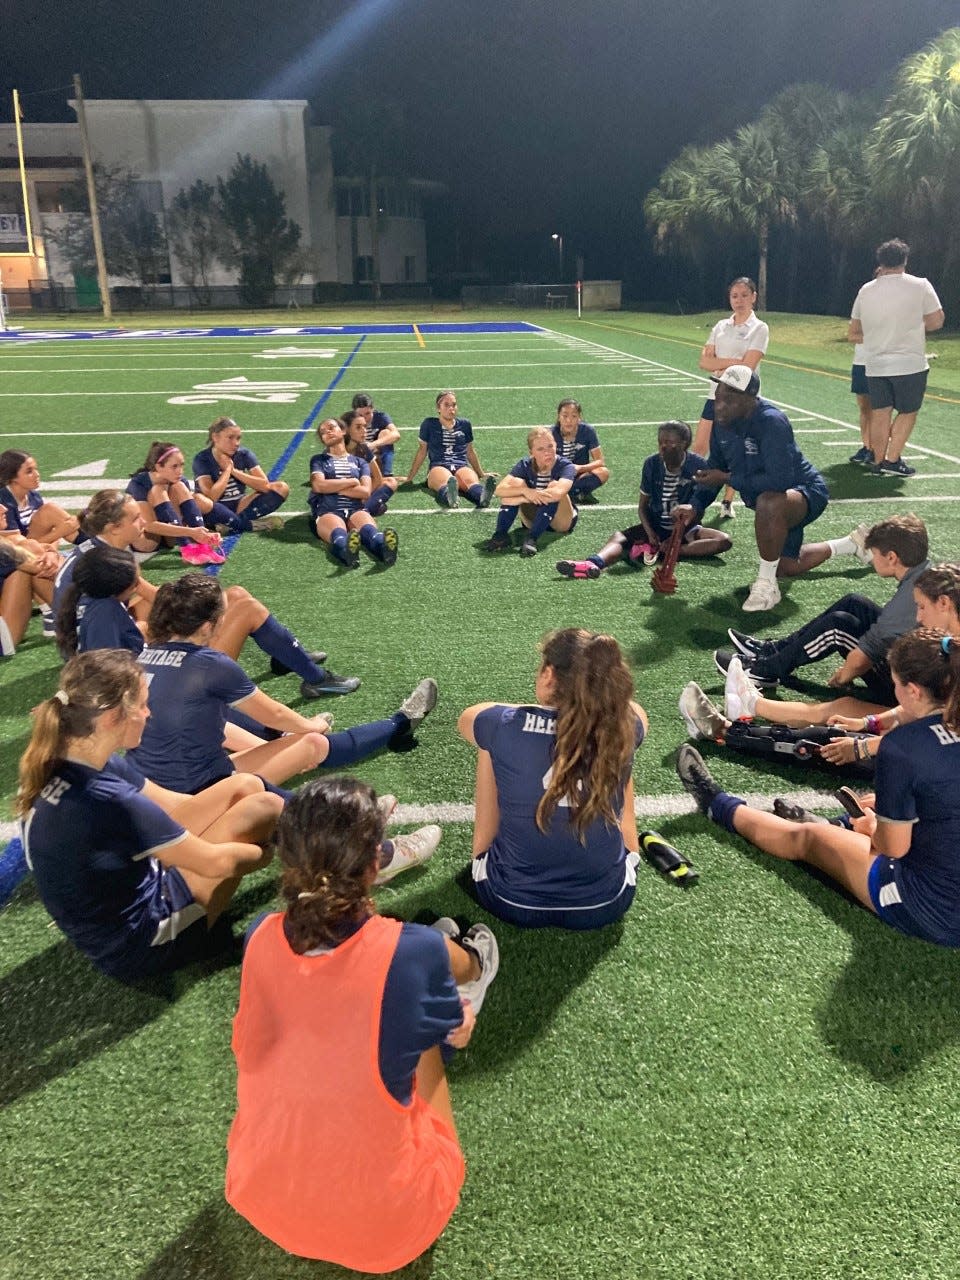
<point x="559" y="239"/>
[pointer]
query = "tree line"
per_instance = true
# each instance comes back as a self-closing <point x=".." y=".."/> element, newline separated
<point x="240" y="222"/>
<point x="822" y="176"/>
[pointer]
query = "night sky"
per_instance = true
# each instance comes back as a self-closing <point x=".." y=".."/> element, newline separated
<point x="540" y="115"/>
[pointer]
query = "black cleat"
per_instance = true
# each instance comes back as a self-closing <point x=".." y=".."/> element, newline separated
<point x="528" y="547"/>
<point x="391" y="545"/>
<point x="696" y="777"/>
<point x="329" y="685"/>
<point x="499" y="542"/>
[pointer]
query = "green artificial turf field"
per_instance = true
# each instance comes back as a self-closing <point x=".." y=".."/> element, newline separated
<point x="749" y="1079"/>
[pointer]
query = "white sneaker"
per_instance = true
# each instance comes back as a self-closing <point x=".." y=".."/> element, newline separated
<point x="410" y="850"/>
<point x="858" y="537"/>
<point x="7" y="647"/>
<point x="763" y="595"/>
<point x="48" y="621"/>
<point x="727" y="512"/>
<point x="740" y="694"/>
<point x="479" y="940"/>
<point x="267" y="524"/>
<point x="702" y="718"/>
<point x="421" y="702"/>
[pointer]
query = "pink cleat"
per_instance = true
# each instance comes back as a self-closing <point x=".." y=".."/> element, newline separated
<point x="577" y="569"/>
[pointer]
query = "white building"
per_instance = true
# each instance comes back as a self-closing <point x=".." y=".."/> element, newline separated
<point x="169" y="145"/>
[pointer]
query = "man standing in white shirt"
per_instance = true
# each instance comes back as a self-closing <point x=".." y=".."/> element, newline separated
<point x="891" y="317"/>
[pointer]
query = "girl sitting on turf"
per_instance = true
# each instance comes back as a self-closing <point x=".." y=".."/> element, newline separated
<point x="113" y="519"/>
<point x="93" y="611"/>
<point x="170" y="507"/>
<point x="666" y="481"/>
<point x="454" y="465"/>
<point x="343" y="1147"/>
<point x="538" y="488"/>
<point x="28" y="512"/>
<point x="936" y="593"/>
<point x="224" y="471"/>
<point x="27" y="572"/>
<point x="340" y="487"/>
<point x="379" y="431"/>
<point x="382" y="487"/>
<point x="578" y="443"/>
<point x="193" y="685"/>
<point x="555" y="837"/>
<point x="134" y="875"/>
<point x="901" y="858"/>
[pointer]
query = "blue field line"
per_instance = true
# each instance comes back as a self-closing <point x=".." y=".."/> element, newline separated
<point x="278" y="468"/>
<point x="273" y="331"/>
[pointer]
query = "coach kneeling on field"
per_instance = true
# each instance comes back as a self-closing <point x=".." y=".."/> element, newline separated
<point x="752" y="448"/>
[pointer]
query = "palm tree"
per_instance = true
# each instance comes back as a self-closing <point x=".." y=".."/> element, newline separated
<point x="915" y="147"/>
<point x="674" y="210"/>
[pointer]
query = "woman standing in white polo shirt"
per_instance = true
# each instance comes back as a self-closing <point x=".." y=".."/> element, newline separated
<point x="740" y="339"/>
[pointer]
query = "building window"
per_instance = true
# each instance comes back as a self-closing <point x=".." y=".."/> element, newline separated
<point x="363" y="273"/>
<point x="409" y="268"/>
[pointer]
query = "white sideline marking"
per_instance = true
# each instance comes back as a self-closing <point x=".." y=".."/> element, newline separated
<point x="644" y="807"/>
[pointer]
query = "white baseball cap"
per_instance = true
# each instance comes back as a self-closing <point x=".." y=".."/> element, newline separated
<point x="739" y="377"/>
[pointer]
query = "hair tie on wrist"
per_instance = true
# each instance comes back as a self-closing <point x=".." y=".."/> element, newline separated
<point x="62" y="697"/>
<point x="945" y="646"/>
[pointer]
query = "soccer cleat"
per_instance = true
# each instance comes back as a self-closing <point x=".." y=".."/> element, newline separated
<point x="448" y="927"/>
<point x="528" y="548"/>
<point x="791" y="812"/>
<point x="740" y="694"/>
<point x="279" y="669"/>
<point x="858" y="537"/>
<point x="489" y="484"/>
<point x="451" y="496"/>
<point x="863" y="454"/>
<point x="267" y="524"/>
<point x="481" y="943"/>
<point x="499" y="542"/>
<point x="723" y="657"/>
<point x="577" y="569"/>
<point x="418" y="705"/>
<point x="702" y="718"/>
<point x="194" y="553"/>
<point x="696" y="777"/>
<point x="7" y="646"/>
<point x="352" y="560"/>
<point x="329" y="685"/>
<point x="727" y="512"/>
<point x="898" y="468"/>
<point x="764" y="595"/>
<point x="391" y="545"/>
<point x="410" y="850"/>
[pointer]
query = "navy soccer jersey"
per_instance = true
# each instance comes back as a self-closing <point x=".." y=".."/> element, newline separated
<point x="526" y="470"/>
<point x="578" y="449"/>
<point x="106" y="624"/>
<point x="91" y="840"/>
<point x="19" y="514"/>
<point x="190" y="689"/>
<point x="205" y="464"/>
<point x="918" y="781"/>
<point x="447" y="447"/>
<point x="666" y="489"/>
<point x="139" y="485"/>
<point x="379" y="422"/>
<point x="525" y="866"/>
<point x="329" y="467"/>
<point x="64" y="576"/>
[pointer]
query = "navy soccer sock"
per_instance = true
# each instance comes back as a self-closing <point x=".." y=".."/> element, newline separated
<point x="274" y="638"/>
<point x="585" y="484"/>
<point x="541" y="522"/>
<point x="372" y="539"/>
<point x="166" y="512"/>
<point x="338" y="544"/>
<point x="191" y="513"/>
<point x="505" y="519"/>
<point x="264" y="504"/>
<point x="351" y="745"/>
<point x="474" y="493"/>
<point x="723" y="807"/>
<point x="376" y="504"/>
<point x="220" y="513"/>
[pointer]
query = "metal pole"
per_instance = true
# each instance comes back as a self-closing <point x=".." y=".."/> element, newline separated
<point x="92" y="197"/>
<point x="3" y="318"/>
<point x="18" y="116"/>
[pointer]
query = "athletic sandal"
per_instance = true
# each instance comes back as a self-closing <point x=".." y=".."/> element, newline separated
<point x="670" y="862"/>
